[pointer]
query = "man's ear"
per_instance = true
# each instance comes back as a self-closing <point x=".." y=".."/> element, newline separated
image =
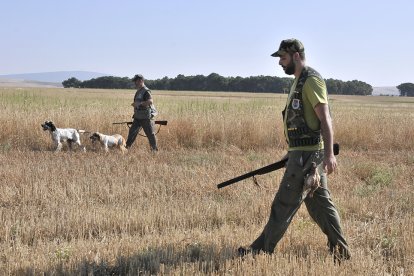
<point x="296" y="56"/>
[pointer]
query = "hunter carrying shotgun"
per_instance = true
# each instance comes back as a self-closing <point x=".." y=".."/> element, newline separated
<point x="308" y="131"/>
<point x="144" y="112"/>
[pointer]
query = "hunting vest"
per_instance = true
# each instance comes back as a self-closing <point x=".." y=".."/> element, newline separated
<point x="141" y="112"/>
<point x="298" y="132"/>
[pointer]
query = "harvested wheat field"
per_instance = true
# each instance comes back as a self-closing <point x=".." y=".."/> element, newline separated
<point x="98" y="213"/>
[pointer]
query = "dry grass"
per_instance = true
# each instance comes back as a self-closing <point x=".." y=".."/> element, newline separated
<point x="100" y="214"/>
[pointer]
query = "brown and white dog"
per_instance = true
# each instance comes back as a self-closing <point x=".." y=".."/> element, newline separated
<point x="59" y="135"/>
<point x="109" y="141"/>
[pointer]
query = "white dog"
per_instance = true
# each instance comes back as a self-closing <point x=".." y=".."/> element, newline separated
<point x="59" y="135"/>
<point x="109" y="141"/>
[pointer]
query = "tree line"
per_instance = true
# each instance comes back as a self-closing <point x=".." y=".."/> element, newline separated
<point x="216" y="82"/>
<point x="406" y="89"/>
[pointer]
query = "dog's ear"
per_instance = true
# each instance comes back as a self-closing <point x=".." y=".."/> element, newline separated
<point x="52" y="126"/>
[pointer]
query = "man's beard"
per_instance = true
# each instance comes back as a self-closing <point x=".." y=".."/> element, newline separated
<point x="290" y="68"/>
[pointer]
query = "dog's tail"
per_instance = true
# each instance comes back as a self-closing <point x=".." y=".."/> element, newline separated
<point x="82" y="131"/>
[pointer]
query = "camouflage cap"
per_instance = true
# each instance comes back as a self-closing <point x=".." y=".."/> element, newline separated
<point x="289" y="46"/>
<point x="137" y="77"/>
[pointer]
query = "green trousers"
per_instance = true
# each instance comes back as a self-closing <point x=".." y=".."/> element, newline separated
<point x="148" y="126"/>
<point x="288" y="200"/>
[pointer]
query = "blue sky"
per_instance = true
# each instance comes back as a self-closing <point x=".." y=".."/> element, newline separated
<point x="371" y="41"/>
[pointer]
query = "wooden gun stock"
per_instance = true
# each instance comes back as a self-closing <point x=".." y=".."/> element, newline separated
<point x="162" y="123"/>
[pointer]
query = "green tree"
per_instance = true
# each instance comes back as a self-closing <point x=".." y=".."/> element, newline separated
<point x="72" y="82"/>
<point x="179" y="83"/>
<point x="354" y="87"/>
<point x="333" y="86"/>
<point x="406" y="89"/>
<point x="108" y="82"/>
<point x="215" y="82"/>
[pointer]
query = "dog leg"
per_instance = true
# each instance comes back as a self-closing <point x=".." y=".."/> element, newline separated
<point x="83" y="148"/>
<point x="106" y="148"/>
<point x="80" y="146"/>
<point x="70" y="145"/>
<point x="58" y="146"/>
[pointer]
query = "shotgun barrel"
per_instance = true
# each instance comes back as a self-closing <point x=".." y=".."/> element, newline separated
<point x="267" y="169"/>
<point x="162" y="123"/>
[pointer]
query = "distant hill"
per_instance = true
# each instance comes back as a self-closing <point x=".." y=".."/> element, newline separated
<point x="54" y="77"/>
<point x="27" y="83"/>
<point x="385" y="91"/>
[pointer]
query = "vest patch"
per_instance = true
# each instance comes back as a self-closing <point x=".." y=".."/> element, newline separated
<point x="295" y="103"/>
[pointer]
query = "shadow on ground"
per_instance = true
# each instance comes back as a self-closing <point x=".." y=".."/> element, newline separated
<point x="201" y="258"/>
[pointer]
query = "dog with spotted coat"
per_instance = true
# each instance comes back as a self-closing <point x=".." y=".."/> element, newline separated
<point x="59" y="135"/>
<point x="109" y="141"/>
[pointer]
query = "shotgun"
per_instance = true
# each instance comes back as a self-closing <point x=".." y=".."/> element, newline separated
<point x="161" y="123"/>
<point x="267" y="169"/>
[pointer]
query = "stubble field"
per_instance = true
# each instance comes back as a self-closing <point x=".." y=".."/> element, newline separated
<point x="98" y="213"/>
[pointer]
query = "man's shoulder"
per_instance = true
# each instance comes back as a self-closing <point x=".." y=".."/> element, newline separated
<point x="315" y="87"/>
<point x="315" y="90"/>
<point x="313" y="73"/>
<point x="315" y="81"/>
<point x="312" y="79"/>
<point x="144" y="91"/>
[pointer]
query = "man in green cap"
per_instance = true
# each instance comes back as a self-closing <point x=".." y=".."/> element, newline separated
<point x="309" y="134"/>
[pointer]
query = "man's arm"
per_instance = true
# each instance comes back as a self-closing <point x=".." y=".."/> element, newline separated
<point x="147" y="102"/>
<point x="144" y="103"/>
<point x="322" y="111"/>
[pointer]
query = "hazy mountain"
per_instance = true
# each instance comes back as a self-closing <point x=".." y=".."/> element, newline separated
<point x="27" y="83"/>
<point x="385" y="91"/>
<point x="54" y="77"/>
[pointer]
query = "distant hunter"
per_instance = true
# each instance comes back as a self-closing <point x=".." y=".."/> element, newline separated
<point x="144" y="112"/>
